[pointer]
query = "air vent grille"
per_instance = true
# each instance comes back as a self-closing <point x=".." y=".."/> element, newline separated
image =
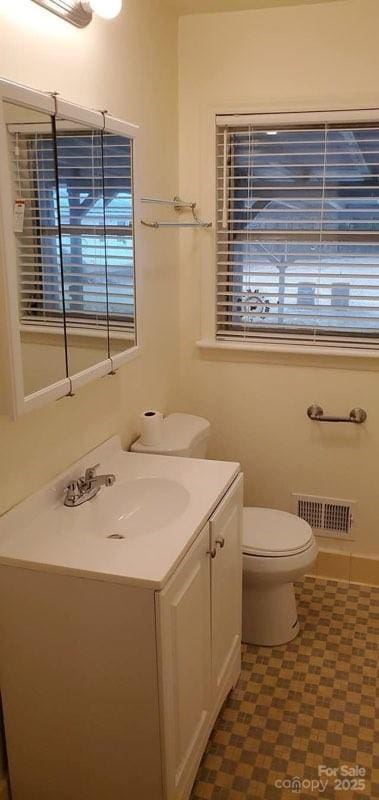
<point x="326" y="515"/>
<point x="311" y="511"/>
<point x="337" y="517"/>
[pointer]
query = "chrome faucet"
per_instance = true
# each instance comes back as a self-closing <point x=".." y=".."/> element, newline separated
<point x="83" y="489"/>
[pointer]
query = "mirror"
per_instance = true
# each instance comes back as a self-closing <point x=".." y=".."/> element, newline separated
<point x="67" y="211"/>
<point x="39" y="286"/>
<point x="119" y="231"/>
<point x="80" y="200"/>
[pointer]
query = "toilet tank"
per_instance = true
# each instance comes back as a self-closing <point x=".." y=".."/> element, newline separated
<point x="183" y="435"/>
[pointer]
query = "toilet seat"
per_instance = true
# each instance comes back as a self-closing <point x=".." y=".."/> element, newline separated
<point x="270" y="533"/>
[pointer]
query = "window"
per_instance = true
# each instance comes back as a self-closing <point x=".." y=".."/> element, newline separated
<point x="94" y="200"/>
<point x="298" y="232"/>
<point x="340" y="295"/>
<point x="306" y="294"/>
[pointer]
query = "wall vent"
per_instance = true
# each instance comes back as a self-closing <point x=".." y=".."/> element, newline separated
<point x="326" y="515"/>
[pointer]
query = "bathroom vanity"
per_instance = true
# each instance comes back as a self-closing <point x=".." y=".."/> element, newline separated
<point x="120" y="627"/>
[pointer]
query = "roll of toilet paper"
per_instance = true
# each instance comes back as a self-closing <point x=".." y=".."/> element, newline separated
<point x="151" y="428"/>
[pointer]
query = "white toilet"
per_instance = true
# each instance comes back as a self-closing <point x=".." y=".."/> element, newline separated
<point x="278" y="548"/>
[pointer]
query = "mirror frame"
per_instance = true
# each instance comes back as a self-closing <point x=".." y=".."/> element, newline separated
<point x="19" y="403"/>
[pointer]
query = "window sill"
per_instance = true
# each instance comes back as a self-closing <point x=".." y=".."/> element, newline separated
<point x="300" y="355"/>
<point x="56" y="330"/>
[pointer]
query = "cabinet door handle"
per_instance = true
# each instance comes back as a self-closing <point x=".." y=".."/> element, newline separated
<point x="212" y="552"/>
<point x="221" y="542"/>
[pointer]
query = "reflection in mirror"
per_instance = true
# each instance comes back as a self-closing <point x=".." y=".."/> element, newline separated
<point x="118" y="195"/>
<point x="40" y="296"/>
<point x="81" y="216"/>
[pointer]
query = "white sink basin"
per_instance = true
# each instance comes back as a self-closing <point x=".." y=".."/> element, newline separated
<point x="148" y="504"/>
<point x="135" y="531"/>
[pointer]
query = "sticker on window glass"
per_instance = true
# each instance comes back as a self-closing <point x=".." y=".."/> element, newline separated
<point x="18" y="216"/>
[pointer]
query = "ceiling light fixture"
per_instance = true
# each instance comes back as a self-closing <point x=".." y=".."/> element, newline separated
<point x="108" y="9"/>
<point x="80" y="13"/>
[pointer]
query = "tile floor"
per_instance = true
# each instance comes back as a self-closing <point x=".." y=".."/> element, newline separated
<point x="297" y="707"/>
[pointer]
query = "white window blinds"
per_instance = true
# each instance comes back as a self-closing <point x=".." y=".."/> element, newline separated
<point x="298" y="233"/>
<point x="95" y="204"/>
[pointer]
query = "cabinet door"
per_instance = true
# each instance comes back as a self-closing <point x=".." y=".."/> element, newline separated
<point x="226" y="586"/>
<point x="184" y="647"/>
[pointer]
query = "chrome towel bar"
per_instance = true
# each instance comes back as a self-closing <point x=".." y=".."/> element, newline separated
<point x="176" y="202"/>
<point x="357" y="415"/>
<point x="179" y="206"/>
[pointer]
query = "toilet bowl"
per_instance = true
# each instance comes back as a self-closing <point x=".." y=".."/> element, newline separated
<point x="278" y="548"/>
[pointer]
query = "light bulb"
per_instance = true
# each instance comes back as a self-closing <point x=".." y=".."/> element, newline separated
<point x="108" y="9"/>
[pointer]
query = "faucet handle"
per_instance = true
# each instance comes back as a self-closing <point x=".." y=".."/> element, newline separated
<point x="90" y="473"/>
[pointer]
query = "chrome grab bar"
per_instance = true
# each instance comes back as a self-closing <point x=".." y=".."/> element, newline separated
<point x="357" y="415"/>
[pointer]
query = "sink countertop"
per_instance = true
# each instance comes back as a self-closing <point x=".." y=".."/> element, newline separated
<point x="42" y="534"/>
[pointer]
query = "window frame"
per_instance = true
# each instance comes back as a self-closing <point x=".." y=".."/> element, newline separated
<point x="210" y="346"/>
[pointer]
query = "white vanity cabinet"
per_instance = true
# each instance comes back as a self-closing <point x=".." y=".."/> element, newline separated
<point x="185" y="662"/>
<point x="199" y="635"/>
<point x="226" y="586"/>
<point x="111" y="686"/>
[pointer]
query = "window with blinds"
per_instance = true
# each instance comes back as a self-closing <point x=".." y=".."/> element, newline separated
<point x="95" y="204"/>
<point x="298" y="234"/>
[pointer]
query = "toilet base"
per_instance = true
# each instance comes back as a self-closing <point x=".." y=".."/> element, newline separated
<point x="269" y="614"/>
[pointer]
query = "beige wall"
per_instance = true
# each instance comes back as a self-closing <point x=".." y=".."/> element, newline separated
<point x="130" y="68"/>
<point x="303" y="57"/>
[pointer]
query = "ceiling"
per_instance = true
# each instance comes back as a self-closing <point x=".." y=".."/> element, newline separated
<point x="203" y="6"/>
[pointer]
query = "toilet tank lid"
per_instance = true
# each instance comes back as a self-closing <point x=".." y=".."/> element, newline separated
<point x="270" y="532"/>
<point x="180" y="432"/>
